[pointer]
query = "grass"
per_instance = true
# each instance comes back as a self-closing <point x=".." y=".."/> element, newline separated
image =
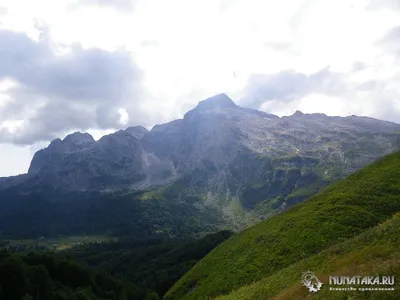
<point x="307" y="191"/>
<point x="373" y="252"/>
<point x="343" y="210"/>
<point x="240" y="217"/>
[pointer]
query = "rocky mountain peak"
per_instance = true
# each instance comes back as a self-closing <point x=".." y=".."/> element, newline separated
<point x="219" y="101"/>
<point x="55" y="142"/>
<point x="298" y="113"/>
<point x="79" y="138"/>
<point x="73" y="142"/>
<point x="137" y="131"/>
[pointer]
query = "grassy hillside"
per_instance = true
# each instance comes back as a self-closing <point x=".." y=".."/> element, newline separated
<point x="344" y="210"/>
<point x="373" y="252"/>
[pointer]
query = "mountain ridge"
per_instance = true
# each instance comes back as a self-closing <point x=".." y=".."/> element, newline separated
<point x="246" y="162"/>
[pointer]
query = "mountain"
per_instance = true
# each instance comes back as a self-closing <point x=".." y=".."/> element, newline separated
<point x="350" y="228"/>
<point x="246" y="163"/>
<point x="80" y="163"/>
<point x="220" y="167"/>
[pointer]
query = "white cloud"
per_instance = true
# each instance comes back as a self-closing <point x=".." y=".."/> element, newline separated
<point x="15" y="160"/>
<point x="190" y="49"/>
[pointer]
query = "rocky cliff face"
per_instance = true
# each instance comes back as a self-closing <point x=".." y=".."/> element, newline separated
<point x="80" y="163"/>
<point x="221" y="152"/>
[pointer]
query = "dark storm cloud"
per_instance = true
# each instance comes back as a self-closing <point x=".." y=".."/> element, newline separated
<point x="81" y="89"/>
<point x="289" y="85"/>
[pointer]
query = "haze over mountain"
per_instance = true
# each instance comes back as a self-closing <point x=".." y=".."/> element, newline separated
<point x="345" y="222"/>
<point x="234" y="158"/>
<point x="59" y="76"/>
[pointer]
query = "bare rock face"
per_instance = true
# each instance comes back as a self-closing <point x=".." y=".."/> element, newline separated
<point x="218" y="150"/>
<point x="72" y="143"/>
<point x="137" y="131"/>
<point x="79" y="162"/>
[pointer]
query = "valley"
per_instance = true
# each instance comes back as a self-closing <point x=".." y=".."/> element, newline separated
<point x="225" y="203"/>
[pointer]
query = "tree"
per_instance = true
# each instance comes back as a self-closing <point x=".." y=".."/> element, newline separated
<point x="152" y="296"/>
<point x="13" y="280"/>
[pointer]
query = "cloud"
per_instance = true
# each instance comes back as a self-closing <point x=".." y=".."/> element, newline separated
<point x="270" y="54"/>
<point x="224" y="5"/>
<point x="280" y="46"/>
<point x="14" y="159"/>
<point x="54" y="93"/>
<point x="391" y="41"/>
<point x="326" y="92"/>
<point x="150" y="43"/>
<point x="3" y="10"/>
<point x="120" y="5"/>
<point x="298" y="16"/>
<point x="379" y="4"/>
<point x="359" y="66"/>
<point x="290" y="85"/>
<point x="368" y="85"/>
<point x="284" y="86"/>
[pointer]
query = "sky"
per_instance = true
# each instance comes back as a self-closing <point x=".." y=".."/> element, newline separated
<point x="100" y="65"/>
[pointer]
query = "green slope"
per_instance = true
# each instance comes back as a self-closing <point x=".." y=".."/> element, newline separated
<point x="344" y="210"/>
<point x="376" y="251"/>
